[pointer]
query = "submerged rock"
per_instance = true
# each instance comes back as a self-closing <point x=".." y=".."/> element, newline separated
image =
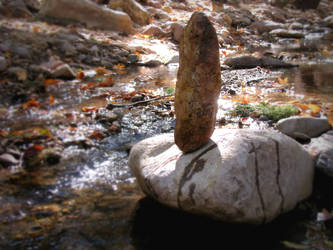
<point x="242" y="176"/>
<point x="287" y="33"/>
<point x="247" y="62"/>
<point x="320" y="144"/>
<point x="87" y="12"/>
<point x="308" y="126"/>
<point x="198" y="84"/>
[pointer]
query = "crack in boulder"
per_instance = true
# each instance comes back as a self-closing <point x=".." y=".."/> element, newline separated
<point x="257" y="182"/>
<point x="195" y="166"/>
<point x="278" y="172"/>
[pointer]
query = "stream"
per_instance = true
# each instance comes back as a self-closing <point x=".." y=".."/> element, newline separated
<point x="90" y="199"/>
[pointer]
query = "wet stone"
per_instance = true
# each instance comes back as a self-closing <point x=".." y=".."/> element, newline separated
<point x="7" y="160"/>
<point x="3" y="63"/>
<point x="198" y="84"/>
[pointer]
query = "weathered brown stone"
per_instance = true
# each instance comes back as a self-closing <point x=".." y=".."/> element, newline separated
<point x="198" y="84"/>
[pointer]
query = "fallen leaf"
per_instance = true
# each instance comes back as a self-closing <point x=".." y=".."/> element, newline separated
<point x="49" y="82"/>
<point x="120" y="66"/>
<point x="3" y="133"/>
<point x="51" y="100"/>
<point x="22" y="76"/>
<point x="30" y="104"/>
<point x="97" y="135"/>
<point x="87" y="86"/>
<point x="315" y="109"/>
<point x="325" y="53"/>
<point x="101" y="71"/>
<point x="283" y="80"/>
<point x="88" y="109"/>
<point x="80" y="75"/>
<point x="107" y="82"/>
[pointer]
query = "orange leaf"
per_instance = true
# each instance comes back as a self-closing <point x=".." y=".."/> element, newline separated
<point x="283" y="80"/>
<point x="49" y="82"/>
<point x="315" y="109"/>
<point x="174" y="19"/>
<point x="120" y="66"/>
<point x="80" y="75"/>
<point x="31" y="103"/>
<point x="101" y="71"/>
<point x="121" y="72"/>
<point x="3" y="133"/>
<point x="303" y="106"/>
<point x="36" y="29"/>
<point x="108" y="81"/>
<point x="37" y="147"/>
<point x="51" y="100"/>
<point x="97" y="135"/>
<point x="88" y="109"/>
<point x="88" y="86"/>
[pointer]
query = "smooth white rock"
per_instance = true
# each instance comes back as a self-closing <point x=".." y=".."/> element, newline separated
<point x="309" y="126"/>
<point x="242" y="176"/>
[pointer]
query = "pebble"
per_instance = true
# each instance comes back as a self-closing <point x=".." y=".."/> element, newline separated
<point x="133" y="58"/>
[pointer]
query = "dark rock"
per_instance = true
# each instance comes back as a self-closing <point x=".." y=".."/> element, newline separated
<point x="133" y="58"/>
<point x="287" y="33"/>
<point x="3" y="63"/>
<point x="325" y="162"/>
<point x="306" y="4"/>
<point x="198" y="84"/>
<point x="247" y="62"/>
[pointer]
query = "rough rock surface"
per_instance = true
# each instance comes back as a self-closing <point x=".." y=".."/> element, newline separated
<point x="325" y="162"/>
<point x="243" y="176"/>
<point x="198" y="84"/>
<point x="248" y="62"/>
<point x="320" y="144"/>
<point x="308" y="126"/>
<point x="87" y="12"/>
<point x="287" y="33"/>
<point x="135" y="10"/>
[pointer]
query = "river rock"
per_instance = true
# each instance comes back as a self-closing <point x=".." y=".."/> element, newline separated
<point x="87" y="12"/>
<point x="248" y="62"/>
<point x="198" y="84"/>
<point x="3" y="63"/>
<point x="284" y="33"/>
<point x="329" y="21"/>
<point x="57" y="69"/>
<point x="7" y="160"/>
<point x="325" y="162"/>
<point x="135" y="10"/>
<point x="241" y="175"/>
<point x="177" y="31"/>
<point x="320" y="144"/>
<point x="308" y="126"/>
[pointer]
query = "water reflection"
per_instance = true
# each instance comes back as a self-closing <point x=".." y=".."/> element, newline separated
<point x="313" y="80"/>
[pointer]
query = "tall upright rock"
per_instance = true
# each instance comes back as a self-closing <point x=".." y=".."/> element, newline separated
<point x="198" y="84"/>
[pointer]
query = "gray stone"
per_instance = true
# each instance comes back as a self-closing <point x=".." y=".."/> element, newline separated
<point x="8" y="160"/>
<point x="3" y="63"/>
<point x="325" y="162"/>
<point x="308" y="126"/>
<point x="242" y="176"/>
<point x="58" y="69"/>
<point x="320" y="144"/>
<point x="133" y="58"/>
<point x="135" y="10"/>
<point x="287" y="33"/>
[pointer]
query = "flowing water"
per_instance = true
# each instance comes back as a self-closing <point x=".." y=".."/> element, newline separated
<point x="90" y="199"/>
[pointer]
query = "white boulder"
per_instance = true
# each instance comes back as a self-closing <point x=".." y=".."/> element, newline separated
<point x="242" y="176"/>
<point x="309" y="126"/>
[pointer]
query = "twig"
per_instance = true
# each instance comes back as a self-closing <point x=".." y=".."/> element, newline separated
<point x="128" y="105"/>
